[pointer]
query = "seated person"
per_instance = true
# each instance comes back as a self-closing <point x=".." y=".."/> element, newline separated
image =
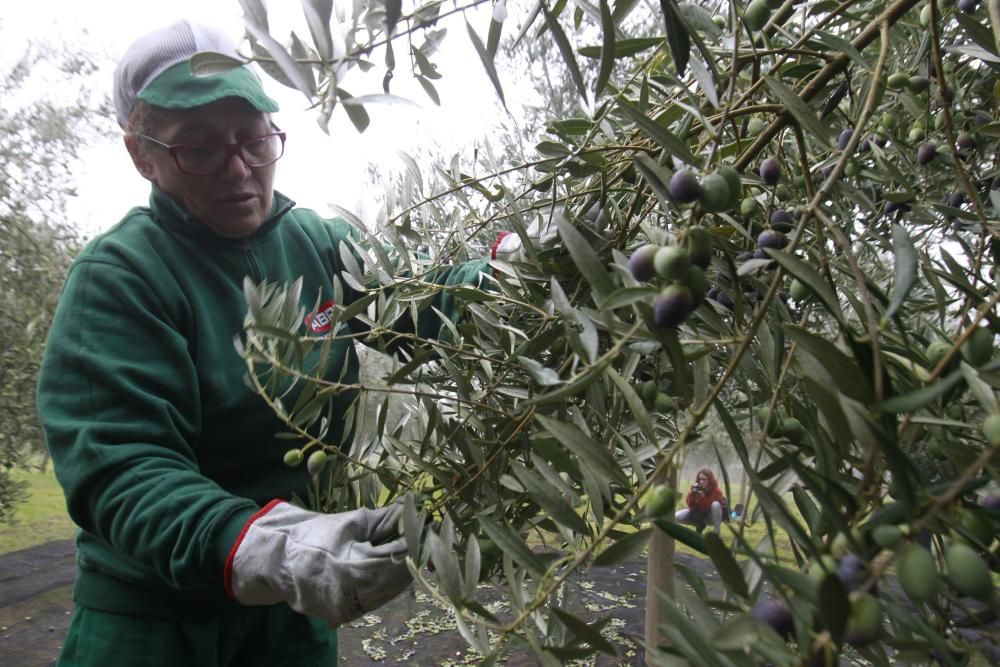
<point x="705" y="503"/>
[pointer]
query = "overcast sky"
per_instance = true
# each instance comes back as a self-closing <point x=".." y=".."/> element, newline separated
<point x="317" y="168"/>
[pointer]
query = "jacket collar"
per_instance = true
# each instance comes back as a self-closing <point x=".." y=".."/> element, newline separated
<point x="170" y="214"/>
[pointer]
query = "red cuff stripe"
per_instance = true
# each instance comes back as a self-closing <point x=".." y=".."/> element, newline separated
<point x="228" y="571"/>
<point x="496" y="244"/>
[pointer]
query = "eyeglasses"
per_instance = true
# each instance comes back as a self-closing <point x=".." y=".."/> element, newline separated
<point x="211" y="158"/>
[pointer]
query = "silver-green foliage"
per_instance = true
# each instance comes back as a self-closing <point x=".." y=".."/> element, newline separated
<point x="39" y="144"/>
<point x="533" y="442"/>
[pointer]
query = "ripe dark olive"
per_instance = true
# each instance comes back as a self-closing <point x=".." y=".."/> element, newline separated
<point x="774" y="612"/>
<point x="684" y="187"/>
<point x="744" y="256"/>
<point x="968" y="6"/>
<point x="844" y="138"/>
<point x="926" y="154"/>
<point x="782" y="221"/>
<point x="760" y="253"/>
<point x="851" y="571"/>
<point x="980" y="117"/>
<point x="955" y="199"/>
<point x="672" y="306"/>
<point x="640" y="264"/>
<point x="893" y="206"/>
<point x="966" y="141"/>
<point x="770" y="238"/>
<point x="991" y="502"/>
<point x="724" y="300"/>
<point x="770" y="171"/>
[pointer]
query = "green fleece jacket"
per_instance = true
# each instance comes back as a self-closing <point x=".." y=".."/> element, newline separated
<point x="163" y="451"/>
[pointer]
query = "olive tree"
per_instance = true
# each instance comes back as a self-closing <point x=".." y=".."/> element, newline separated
<point x="39" y="143"/>
<point x="775" y="219"/>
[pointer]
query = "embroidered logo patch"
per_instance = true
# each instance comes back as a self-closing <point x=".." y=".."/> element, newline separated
<point x="321" y="320"/>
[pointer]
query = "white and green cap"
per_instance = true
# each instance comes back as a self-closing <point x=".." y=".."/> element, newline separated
<point x="156" y="69"/>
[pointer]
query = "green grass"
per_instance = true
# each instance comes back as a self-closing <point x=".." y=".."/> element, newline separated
<point x="41" y="518"/>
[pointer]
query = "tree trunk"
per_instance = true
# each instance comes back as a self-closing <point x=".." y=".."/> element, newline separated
<point x="659" y="576"/>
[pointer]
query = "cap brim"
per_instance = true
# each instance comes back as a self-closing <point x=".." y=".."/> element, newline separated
<point x="178" y="88"/>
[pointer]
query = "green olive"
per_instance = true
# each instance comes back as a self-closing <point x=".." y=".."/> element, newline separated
<point x="756" y="14"/>
<point x="658" y="501"/>
<point x="715" y="193"/>
<point x="316" y="462"/>
<point x="918" y="574"/>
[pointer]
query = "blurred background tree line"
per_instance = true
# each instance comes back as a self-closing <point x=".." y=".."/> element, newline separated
<point x="43" y="138"/>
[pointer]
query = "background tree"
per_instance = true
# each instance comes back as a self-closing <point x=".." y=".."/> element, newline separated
<point x="797" y="237"/>
<point x="40" y="140"/>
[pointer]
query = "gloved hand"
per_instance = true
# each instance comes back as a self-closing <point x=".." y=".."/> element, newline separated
<point x="332" y="566"/>
<point x="543" y="234"/>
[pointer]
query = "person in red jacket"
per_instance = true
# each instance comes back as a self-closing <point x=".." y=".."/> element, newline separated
<point x="705" y="502"/>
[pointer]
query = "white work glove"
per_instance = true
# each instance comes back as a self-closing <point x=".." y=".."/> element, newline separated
<point x="543" y="234"/>
<point x="337" y="567"/>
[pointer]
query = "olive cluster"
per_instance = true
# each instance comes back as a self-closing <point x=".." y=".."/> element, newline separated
<point x="960" y="568"/>
<point x="680" y="269"/>
<point x="654" y="398"/>
<point x="923" y="137"/>
<point x="717" y="192"/>
<point x="776" y="424"/>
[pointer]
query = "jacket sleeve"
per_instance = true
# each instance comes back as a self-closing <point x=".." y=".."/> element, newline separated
<point x="118" y="400"/>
